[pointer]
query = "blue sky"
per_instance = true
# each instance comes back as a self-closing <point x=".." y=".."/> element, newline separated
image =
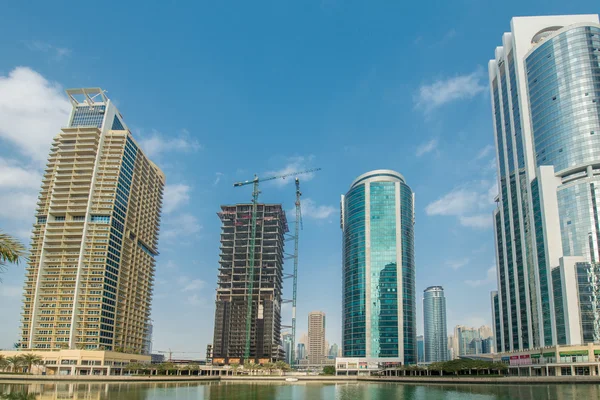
<point x="216" y="92"/>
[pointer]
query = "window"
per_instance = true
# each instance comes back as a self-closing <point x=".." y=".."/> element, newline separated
<point x="62" y="218"/>
<point x="42" y="218"/>
<point x="101" y="219"/>
<point x="79" y="218"/>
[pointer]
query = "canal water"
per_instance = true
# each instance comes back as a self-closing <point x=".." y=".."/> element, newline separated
<point x="297" y="391"/>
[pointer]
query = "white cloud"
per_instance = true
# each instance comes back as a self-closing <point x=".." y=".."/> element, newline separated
<point x="427" y="147"/>
<point x="180" y="226"/>
<point x="194" y="284"/>
<point x="195" y="300"/>
<point x="294" y="164"/>
<point x="218" y="178"/>
<point x="468" y="202"/>
<point x="484" y="152"/>
<point x="456" y="264"/>
<point x="13" y="175"/>
<point x="18" y="206"/>
<point x="175" y="196"/>
<point x="451" y="34"/>
<point x="157" y="143"/>
<point x="311" y="210"/>
<point x="489" y="278"/>
<point x="445" y="91"/>
<point x="32" y="111"/>
<point x="58" y="52"/>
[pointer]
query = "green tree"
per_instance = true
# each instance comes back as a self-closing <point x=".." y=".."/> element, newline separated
<point x="249" y="366"/>
<point x="3" y="363"/>
<point x="11" y="251"/>
<point x="235" y="367"/>
<point x="193" y="367"/>
<point x="14" y="362"/>
<point x="282" y="366"/>
<point x="329" y="370"/>
<point x="437" y="367"/>
<point x="18" y="396"/>
<point x="30" y="360"/>
<point x="270" y="367"/>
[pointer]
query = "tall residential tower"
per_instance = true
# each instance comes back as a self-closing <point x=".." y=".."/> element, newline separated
<point x="378" y="311"/>
<point x="91" y="270"/>
<point x="434" y="315"/>
<point x="317" y="349"/>
<point x="544" y="85"/>
<point x="229" y="339"/>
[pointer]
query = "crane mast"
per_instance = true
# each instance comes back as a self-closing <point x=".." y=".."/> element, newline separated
<point x="295" y="278"/>
<point x="255" y="192"/>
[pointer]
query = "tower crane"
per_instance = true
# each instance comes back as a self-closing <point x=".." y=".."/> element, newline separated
<point x="297" y="228"/>
<point x="255" y="192"/>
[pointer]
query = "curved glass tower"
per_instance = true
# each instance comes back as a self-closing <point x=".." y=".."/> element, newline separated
<point x="379" y="315"/>
<point x="545" y="90"/>
<point x="434" y="315"/>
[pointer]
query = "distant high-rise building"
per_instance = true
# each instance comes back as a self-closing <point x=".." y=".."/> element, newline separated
<point x="487" y="345"/>
<point x="544" y="83"/>
<point x="287" y="347"/>
<point x="229" y="339"/>
<point x="91" y="269"/>
<point x="465" y="336"/>
<point x="475" y="346"/>
<point x="452" y="354"/>
<point x="420" y="349"/>
<point x="333" y="351"/>
<point x="148" y="338"/>
<point x="301" y="351"/>
<point x="485" y="332"/>
<point x="379" y="310"/>
<point x="436" y="333"/>
<point x="317" y="351"/>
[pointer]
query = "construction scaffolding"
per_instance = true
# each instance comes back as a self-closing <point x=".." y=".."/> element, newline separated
<point x="236" y="285"/>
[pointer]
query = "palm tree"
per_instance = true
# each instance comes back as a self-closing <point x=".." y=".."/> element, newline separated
<point x="11" y="251"/>
<point x="235" y="367"/>
<point x="269" y="367"/>
<point x="14" y="362"/>
<point x="30" y="360"/>
<point x="18" y="396"/>
<point x="3" y="362"/>
<point x="282" y="366"/>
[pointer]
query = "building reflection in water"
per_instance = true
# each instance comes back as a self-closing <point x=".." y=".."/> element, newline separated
<point x="298" y="391"/>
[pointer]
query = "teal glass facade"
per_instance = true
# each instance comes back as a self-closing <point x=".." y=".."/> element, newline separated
<point x="563" y="75"/>
<point x="435" y="328"/>
<point x="379" y="310"/>
<point x="354" y="338"/>
<point x="545" y="93"/>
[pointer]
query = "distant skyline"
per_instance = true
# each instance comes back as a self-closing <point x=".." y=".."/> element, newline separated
<point x="215" y="93"/>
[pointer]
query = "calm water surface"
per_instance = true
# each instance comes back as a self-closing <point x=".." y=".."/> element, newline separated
<point x="301" y="391"/>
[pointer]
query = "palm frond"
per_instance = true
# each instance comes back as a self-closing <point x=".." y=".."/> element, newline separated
<point x="11" y="250"/>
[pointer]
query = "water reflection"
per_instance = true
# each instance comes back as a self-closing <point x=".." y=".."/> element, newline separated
<point x="298" y="391"/>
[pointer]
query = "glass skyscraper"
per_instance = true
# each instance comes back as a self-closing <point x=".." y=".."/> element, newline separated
<point x="379" y="314"/>
<point x="545" y="91"/>
<point x="434" y="315"/>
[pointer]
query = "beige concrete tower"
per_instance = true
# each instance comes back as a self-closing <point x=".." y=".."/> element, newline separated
<point x="91" y="271"/>
<point x="317" y="349"/>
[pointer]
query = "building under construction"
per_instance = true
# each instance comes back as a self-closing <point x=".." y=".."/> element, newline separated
<point x="234" y="284"/>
